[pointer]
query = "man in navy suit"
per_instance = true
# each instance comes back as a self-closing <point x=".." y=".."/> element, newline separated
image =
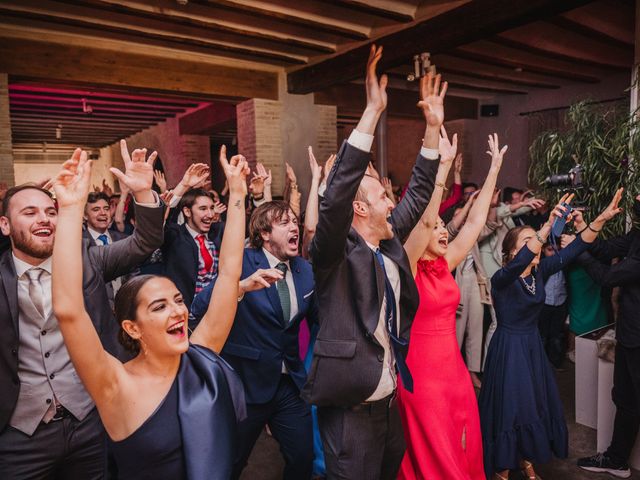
<point x="277" y="292"/>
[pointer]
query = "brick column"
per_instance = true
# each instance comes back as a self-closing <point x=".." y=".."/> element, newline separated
<point x="6" y="148"/>
<point x="275" y="132"/>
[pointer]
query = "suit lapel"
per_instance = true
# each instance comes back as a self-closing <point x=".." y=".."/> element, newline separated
<point x="260" y="261"/>
<point x="190" y="241"/>
<point x="10" y="283"/>
<point x="298" y="285"/>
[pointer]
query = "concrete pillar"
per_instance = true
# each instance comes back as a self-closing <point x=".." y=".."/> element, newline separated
<point x="6" y="148"/>
<point x="275" y="132"/>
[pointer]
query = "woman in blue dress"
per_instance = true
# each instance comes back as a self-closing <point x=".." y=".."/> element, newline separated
<point x="521" y="414"/>
<point x="171" y="411"/>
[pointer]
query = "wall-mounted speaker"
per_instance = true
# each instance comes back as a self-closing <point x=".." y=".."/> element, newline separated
<point x="489" y="110"/>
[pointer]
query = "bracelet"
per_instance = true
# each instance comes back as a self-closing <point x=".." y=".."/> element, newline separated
<point x="539" y="238"/>
<point x="294" y="186"/>
<point x="440" y="184"/>
<point x="593" y="229"/>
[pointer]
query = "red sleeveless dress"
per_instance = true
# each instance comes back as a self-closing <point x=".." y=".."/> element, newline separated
<point x="440" y="418"/>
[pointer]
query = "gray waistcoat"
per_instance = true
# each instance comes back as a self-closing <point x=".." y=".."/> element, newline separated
<point x="44" y="368"/>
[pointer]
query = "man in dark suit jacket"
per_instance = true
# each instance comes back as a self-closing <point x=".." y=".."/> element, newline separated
<point x="367" y="298"/>
<point x="186" y="246"/>
<point x="263" y="344"/>
<point x="48" y="425"/>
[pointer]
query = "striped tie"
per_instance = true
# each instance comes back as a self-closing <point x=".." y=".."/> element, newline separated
<point x="283" y="292"/>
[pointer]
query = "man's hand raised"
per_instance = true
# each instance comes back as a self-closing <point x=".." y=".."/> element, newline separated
<point x="138" y="174"/>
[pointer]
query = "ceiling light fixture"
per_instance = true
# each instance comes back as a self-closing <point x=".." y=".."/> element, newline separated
<point x="59" y="132"/>
<point x="86" y="108"/>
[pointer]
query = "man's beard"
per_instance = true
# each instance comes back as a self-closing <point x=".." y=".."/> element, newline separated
<point x="24" y="243"/>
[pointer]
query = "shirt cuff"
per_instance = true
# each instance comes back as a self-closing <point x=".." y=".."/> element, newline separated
<point x="429" y="153"/>
<point x="173" y="203"/>
<point x="155" y="204"/>
<point x="361" y="141"/>
<point x="321" y="189"/>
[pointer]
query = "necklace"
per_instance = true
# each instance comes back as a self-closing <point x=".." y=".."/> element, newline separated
<point x="530" y="288"/>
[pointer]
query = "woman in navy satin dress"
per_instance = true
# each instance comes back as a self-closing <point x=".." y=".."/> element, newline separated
<point x="170" y="412"/>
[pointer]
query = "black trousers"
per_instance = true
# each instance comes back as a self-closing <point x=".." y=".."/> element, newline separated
<point x="626" y="396"/>
<point x="62" y="450"/>
<point x="551" y="326"/>
<point x="289" y="419"/>
<point x="365" y="442"/>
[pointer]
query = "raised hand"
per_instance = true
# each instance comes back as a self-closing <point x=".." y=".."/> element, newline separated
<point x="161" y="181"/>
<point x="236" y="170"/>
<point x="73" y="181"/>
<point x="457" y="164"/>
<point x="447" y="149"/>
<point x="376" y="89"/>
<point x="372" y="172"/>
<point x="534" y="203"/>
<point x="262" y="171"/>
<point x="291" y="175"/>
<point x="328" y="165"/>
<point x="106" y="189"/>
<point x="316" y="170"/>
<point x="219" y="208"/>
<point x="559" y="210"/>
<point x="432" y="94"/>
<point x="197" y="174"/>
<point x="261" y="278"/>
<point x="256" y="186"/>
<point x="613" y="208"/>
<point x="138" y="174"/>
<point x="497" y="153"/>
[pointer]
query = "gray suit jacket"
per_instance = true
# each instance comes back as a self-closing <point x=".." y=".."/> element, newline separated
<point x="100" y="266"/>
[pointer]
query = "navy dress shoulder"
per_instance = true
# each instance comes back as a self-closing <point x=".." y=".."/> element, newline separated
<point x="192" y="434"/>
<point x="521" y="414"/>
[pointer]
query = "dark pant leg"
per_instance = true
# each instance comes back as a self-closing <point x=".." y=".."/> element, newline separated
<point x="355" y="443"/>
<point x="395" y="445"/>
<point x="35" y="457"/>
<point x="248" y="432"/>
<point x="292" y="426"/>
<point x="626" y="396"/>
<point x="85" y="449"/>
<point x="556" y="341"/>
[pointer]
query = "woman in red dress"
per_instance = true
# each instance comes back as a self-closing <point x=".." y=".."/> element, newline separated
<point x="440" y="418"/>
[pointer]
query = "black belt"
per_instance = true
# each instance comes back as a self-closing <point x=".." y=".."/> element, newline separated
<point x="61" y="413"/>
<point x="383" y="404"/>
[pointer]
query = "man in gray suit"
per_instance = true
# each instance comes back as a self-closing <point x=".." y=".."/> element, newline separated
<point x="49" y="428"/>
<point x="367" y="297"/>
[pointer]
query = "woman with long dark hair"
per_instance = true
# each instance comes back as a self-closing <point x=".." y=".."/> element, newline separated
<point x="171" y="411"/>
<point x="520" y="410"/>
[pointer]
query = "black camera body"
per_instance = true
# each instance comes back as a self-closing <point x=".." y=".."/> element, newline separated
<point x="573" y="178"/>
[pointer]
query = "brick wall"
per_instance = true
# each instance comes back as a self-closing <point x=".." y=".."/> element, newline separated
<point x="6" y="152"/>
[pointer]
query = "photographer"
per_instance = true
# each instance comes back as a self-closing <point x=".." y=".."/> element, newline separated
<point x="626" y="375"/>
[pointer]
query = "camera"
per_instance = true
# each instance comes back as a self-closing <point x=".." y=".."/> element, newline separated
<point x="573" y="178"/>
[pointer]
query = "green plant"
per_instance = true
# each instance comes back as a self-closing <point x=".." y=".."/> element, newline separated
<point x="605" y="141"/>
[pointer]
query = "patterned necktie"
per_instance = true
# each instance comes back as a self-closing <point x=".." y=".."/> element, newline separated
<point x="398" y="344"/>
<point x="283" y="292"/>
<point x="104" y="239"/>
<point x="35" y="288"/>
<point x="204" y="251"/>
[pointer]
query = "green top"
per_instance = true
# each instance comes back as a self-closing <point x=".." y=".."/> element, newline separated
<point x="586" y="308"/>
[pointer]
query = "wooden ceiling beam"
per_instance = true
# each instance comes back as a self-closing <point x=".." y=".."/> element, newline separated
<point x="555" y="42"/>
<point x="587" y="31"/>
<point x="66" y="106"/>
<point x="94" y="66"/>
<point x="494" y="53"/>
<point x="396" y="11"/>
<point x="56" y="119"/>
<point x="209" y="27"/>
<point x="57" y="99"/>
<point x="207" y="120"/>
<point x="615" y="19"/>
<point x="79" y="114"/>
<point x="470" y="22"/>
<point x="336" y="20"/>
<point x="213" y="15"/>
<point x="133" y="33"/>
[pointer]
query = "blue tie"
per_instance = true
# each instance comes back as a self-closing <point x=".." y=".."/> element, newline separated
<point x="104" y="239"/>
<point x="398" y="344"/>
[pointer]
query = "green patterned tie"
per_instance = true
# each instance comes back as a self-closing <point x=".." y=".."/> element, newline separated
<point x="283" y="292"/>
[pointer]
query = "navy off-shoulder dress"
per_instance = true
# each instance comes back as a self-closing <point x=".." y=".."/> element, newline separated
<point x="521" y="414"/>
<point x="192" y="434"/>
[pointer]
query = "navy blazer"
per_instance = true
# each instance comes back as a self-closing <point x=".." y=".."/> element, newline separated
<point x="260" y="339"/>
<point x="180" y="256"/>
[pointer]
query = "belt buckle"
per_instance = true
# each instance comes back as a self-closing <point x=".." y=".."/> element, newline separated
<point x="61" y="413"/>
